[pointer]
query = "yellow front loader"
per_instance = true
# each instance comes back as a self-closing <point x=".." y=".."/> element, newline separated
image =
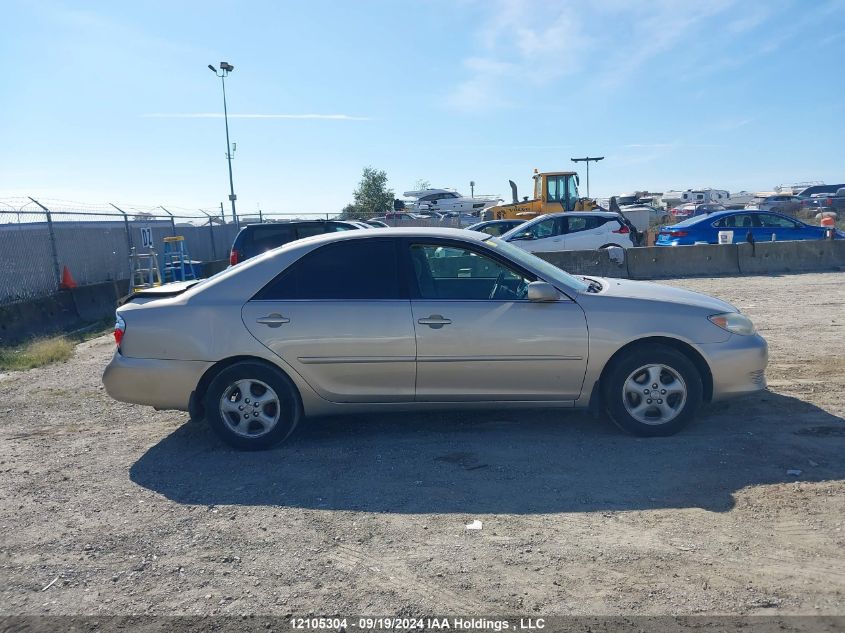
<point x="554" y="191"/>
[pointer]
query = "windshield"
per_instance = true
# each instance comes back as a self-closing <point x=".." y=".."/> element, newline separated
<point x="549" y="271"/>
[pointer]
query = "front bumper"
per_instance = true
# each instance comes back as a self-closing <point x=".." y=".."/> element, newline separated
<point x="163" y="384"/>
<point x="738" y="365"/>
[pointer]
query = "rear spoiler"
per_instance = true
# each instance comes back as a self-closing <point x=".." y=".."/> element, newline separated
<point x="159" y="292"/>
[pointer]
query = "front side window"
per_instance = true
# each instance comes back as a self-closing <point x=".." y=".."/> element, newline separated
<point x="496" y="229"/>
<point x="548" y="227"/>
<point x="544" y="228"/>
<point x="351" y="269"/>
<point x="776" y="222"/>
<point x="463" y="275"/>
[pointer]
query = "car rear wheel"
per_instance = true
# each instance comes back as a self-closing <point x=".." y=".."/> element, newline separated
<point x="252" y="406"/>
<point x="653" y="391"/>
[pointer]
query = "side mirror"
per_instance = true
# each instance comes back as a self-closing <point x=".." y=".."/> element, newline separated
<point x="542" y="291"/>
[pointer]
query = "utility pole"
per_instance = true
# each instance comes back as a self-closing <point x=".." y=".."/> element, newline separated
<point x="588" y="160"/>
<point x="225" y="69"/>
<point x="472" y="188"/>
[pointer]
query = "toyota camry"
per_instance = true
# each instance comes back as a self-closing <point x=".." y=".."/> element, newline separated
<point x="424" y="318"/>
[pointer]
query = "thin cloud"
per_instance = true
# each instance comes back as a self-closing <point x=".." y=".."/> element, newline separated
<point x="522" y="46"/>
<point x="219" y="115"/>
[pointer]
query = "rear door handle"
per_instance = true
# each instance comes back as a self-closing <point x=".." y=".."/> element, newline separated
<point x="273" y="320"/>
<point x="435" y="321"/>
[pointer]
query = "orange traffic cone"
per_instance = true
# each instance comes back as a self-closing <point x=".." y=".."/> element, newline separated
<point x="67" y="280"/>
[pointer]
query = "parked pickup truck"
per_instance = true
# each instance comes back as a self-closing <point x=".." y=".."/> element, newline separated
<point x="826" y="201"/>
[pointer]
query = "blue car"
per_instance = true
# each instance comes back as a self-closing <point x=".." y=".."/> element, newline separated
<point x="761" y="224"/>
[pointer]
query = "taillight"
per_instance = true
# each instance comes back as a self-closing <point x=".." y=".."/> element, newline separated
<point x="622" y="229"/>
<point x="119" y="329"/>
<point x="234" y="257"/>
<point x="677" y="233"/>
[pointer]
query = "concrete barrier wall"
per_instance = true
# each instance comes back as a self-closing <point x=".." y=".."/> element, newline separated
<point x="656" y="262"/>
<point x="790" y="257"/>
<point x="706" y="260"/>
<point x="62" y="311"/>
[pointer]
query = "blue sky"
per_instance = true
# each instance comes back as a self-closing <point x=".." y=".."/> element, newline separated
<point x="98" y="96"/>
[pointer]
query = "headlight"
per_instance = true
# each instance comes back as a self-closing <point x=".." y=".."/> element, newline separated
<point x="733" y="322"/>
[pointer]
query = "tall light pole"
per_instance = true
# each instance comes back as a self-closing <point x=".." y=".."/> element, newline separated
<point x="225" y="69"/>
<point x="587" y="160"/>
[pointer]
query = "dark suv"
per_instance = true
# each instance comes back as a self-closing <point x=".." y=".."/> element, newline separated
<point x="255" y="239"/>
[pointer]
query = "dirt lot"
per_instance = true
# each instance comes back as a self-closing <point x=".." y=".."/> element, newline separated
<point x="128" y="510"/>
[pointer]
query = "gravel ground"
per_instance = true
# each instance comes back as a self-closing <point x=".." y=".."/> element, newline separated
<point x="110" y="508"/>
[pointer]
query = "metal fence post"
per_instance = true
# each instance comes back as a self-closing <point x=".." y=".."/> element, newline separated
<point x="55" y="253"/>
<point x="172" y="221"/>
<point x="260" y="216"/>
<point x="211" y="235"/>
<point x="128" y="236"/>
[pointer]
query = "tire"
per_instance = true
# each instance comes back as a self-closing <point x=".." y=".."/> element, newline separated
<point x="679" y="383"/>
<point x="196" y="412"/>
<point x="605" y="246"/>
<point x="272" y="418"/>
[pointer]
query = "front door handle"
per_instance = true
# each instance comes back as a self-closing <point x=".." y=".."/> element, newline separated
<point x="435" y="321"/>
<point x="273" y="320"/>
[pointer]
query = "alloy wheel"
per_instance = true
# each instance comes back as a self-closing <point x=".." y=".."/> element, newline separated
<point x="654" y="394"/>
<point x="250" y="408"/>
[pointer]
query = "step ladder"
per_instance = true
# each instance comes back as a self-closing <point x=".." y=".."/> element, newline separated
<point x="145" y="270"/>
<point x="177" y="263"/>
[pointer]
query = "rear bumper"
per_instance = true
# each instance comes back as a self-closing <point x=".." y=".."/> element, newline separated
<point x="738" y="365"/>
<point x="163" y="384"/>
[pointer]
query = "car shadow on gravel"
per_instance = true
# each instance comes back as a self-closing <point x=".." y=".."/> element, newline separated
<point x="520" y="462"/>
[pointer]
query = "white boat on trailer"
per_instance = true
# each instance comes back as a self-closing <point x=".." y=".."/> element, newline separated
<point x="447" y="200"/>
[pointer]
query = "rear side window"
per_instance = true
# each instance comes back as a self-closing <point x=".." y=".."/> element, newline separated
<point x="578" y="223"/>
<point x="776" y="221"/>
<point x="352" y="269"/>
<point x="265" y="238"/>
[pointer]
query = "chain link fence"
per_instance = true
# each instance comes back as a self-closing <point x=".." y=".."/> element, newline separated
<point x="46" y="242"/>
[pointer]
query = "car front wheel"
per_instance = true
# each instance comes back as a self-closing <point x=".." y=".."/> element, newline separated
<point x="653" y="391"/>
<point x="252" y="406"/>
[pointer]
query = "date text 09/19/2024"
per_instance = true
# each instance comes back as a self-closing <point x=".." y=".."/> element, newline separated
<point x="423" y="623"/>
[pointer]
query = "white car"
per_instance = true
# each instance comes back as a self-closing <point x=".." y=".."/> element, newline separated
<point x="572" y="232"/>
